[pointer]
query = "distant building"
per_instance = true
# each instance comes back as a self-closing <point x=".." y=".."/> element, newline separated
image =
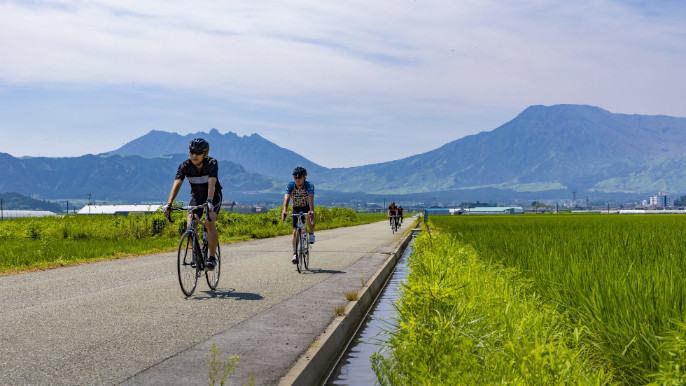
<point x="246" y="209"/>
<point x="121" y="210"/>
<point x="375" y="208"/>
<point x="662" y="200"/>
<point x="496" y="210"/>
<point x="9" y="214"/>
<point x="229" y="205"/>
<point x="436" y="211"/>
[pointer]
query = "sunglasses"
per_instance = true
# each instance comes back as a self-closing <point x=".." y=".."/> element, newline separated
<point x="297" y="176"/>
<point x="197" y="152"/>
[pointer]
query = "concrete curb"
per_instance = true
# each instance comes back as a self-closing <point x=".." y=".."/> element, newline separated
<point x="314" y="364"/>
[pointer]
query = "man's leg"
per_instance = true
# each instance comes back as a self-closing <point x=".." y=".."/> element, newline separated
<point x="295" y="234"/>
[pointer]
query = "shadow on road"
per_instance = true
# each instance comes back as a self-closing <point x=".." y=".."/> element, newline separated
<point x="231" y="293"/>
<point x="318" y="270"/>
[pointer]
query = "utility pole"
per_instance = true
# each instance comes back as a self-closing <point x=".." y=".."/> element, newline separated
<point x="89" y="203"/>
<point x="2" y="211"/>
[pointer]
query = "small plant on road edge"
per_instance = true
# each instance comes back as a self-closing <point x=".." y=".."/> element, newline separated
<point x="216" y="365"/>
<point x="351" y="296"/>
<point x="339" y="310"/>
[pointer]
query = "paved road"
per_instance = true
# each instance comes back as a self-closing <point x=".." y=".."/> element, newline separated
<point x="126" y="321"/>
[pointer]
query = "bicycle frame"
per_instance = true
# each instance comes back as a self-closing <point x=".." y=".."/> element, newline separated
<point x="193" y="265"/>
<point x="191" y="228"/>
<point x="302" y="242"/>
<point x="395" y="223"/>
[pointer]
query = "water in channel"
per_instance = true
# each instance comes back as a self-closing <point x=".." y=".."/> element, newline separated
<point x="355" y="367"/>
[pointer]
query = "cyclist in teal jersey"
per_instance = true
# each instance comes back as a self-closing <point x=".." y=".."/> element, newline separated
<point x="302" y="193"/>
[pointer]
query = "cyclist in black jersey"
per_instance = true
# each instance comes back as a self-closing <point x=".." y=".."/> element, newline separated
<point x="392" y="211"/>
<point x="202" y="173"/>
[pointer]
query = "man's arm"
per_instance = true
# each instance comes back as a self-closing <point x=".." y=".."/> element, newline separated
<point x="286" y="198"/>
<point x="211" y="184"/>
<point x="310" y="202"/>
<point x="172" y="194"/>
<point x="174" y="190"/>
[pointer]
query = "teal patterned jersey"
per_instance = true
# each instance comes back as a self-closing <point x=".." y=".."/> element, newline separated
<point x="299" y="195"/>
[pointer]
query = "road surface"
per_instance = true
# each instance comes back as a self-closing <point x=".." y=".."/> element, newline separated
<point x="127" y="321"/>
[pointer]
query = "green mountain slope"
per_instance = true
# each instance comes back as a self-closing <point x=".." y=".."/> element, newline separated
<point x="560" y="147"/>
<point x="546" y="151"/>
<point x="114" y="177"/>
<point x="16" y="201"/>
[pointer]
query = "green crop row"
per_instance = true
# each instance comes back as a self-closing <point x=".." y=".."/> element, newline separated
<point x="61" y="240"/>
<point x="615" y="284"/>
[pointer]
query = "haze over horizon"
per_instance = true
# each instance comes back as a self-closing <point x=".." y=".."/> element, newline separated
<point x="389" y="79"/>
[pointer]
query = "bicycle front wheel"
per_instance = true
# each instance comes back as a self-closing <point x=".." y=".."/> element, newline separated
<point x="187" y="267"/>
<point x="298" y="252"/>
<point x="213" y="276"/>
<point x="305" y="249"/>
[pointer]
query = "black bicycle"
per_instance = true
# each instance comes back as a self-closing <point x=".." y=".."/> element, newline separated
<point x="394" y="223"/>
<point x="302" y="242"/>
<point x="193" y="256"/>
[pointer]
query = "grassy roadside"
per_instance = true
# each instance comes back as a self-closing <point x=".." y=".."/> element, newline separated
<point x="40" y="243"/>
<point x="465" y="321"/>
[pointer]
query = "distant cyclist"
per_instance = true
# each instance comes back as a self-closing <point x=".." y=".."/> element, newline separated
<point x="302" y="193"/>
<point x="202" y="172"/>
<point x="400" y="213"/>
<point x="392" y="211"/>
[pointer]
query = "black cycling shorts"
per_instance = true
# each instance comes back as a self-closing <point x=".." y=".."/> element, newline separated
<point x="297" y="210"/>
<point x="216" y="204"/>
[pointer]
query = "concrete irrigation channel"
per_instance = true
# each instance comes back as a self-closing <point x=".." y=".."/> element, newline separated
<point x="126" y="321"/>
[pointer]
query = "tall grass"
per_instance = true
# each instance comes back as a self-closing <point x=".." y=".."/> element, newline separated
<point x="620" y="279"/>
<point x="465" y="321"/>
<point x="27" y="243"/>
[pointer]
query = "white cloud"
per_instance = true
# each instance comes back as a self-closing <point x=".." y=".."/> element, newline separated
<point x="356" y="65"/>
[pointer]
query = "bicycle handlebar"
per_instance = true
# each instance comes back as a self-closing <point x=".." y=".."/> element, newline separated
<point x="303" y="214"/>
<point x="188" y="208"/>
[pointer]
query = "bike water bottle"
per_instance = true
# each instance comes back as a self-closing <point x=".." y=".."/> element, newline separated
<point x="204" y="245"/>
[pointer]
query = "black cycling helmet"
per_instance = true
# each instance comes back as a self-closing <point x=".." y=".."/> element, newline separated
<point x="199" y="145"/>
<point x="299" y="171"/>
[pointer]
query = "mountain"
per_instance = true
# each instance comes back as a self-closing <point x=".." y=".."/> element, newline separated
<point x="254" y="153"/>
<point x="546" y="152"/>
<point x="114" y="177"/>
<point x="16" y="201"/>
<point x="544" y="149"/>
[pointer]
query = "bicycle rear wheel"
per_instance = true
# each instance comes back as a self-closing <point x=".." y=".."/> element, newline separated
<point x="213" y="276"/>
<point x="298" y="252"/>
<point x="305" y="249"/>
<point x="187" y="267"/>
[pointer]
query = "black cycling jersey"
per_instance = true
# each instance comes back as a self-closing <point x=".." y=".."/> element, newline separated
<point x="199" y="179"/>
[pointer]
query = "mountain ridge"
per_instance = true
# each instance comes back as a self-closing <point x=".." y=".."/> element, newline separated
<point x="252" y="152"/>
<point x="548" y="151"/>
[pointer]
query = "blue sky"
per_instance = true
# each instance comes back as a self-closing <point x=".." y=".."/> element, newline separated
<point x="342" y="83"/>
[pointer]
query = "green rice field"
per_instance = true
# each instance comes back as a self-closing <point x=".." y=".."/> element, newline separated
<point x="542" y="299"/>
